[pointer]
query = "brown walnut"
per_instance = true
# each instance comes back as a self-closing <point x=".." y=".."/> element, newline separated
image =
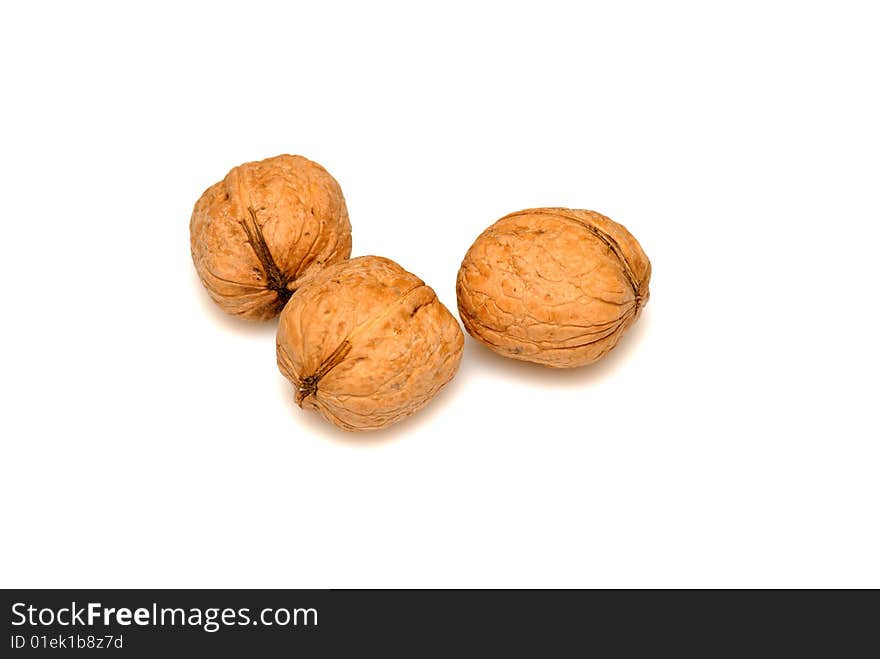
<point x="258" y="233"/>
<point x="367" y="343"/>
<point x="553" y="286"/>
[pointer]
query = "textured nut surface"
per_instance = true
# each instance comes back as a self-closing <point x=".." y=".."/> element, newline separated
<point x="367" y="343"/>
<point x="264" y="228"/>
<point x="553" y="286"/>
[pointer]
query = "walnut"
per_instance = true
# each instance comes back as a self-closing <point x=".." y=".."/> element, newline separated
<point x="367" y="343"/>
<point x="258" y="233"/>
<point x="553" y="286"/>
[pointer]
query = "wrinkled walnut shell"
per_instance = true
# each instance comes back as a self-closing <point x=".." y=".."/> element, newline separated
<point x="553" y="286"/>
<point x="367" y="343"/>
<point x="263" y="229"/>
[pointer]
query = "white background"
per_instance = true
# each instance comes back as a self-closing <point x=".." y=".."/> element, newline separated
<point x="730" y="440"/>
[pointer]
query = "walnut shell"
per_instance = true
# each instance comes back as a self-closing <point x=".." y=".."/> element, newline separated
<point x="263" y="229"/>
<point x="367" y="343"/>
<point x="553" y="286"/>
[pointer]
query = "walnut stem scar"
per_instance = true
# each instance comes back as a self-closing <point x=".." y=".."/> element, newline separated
<point x="309" y="384"/>
<point x="276" y="280"/>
